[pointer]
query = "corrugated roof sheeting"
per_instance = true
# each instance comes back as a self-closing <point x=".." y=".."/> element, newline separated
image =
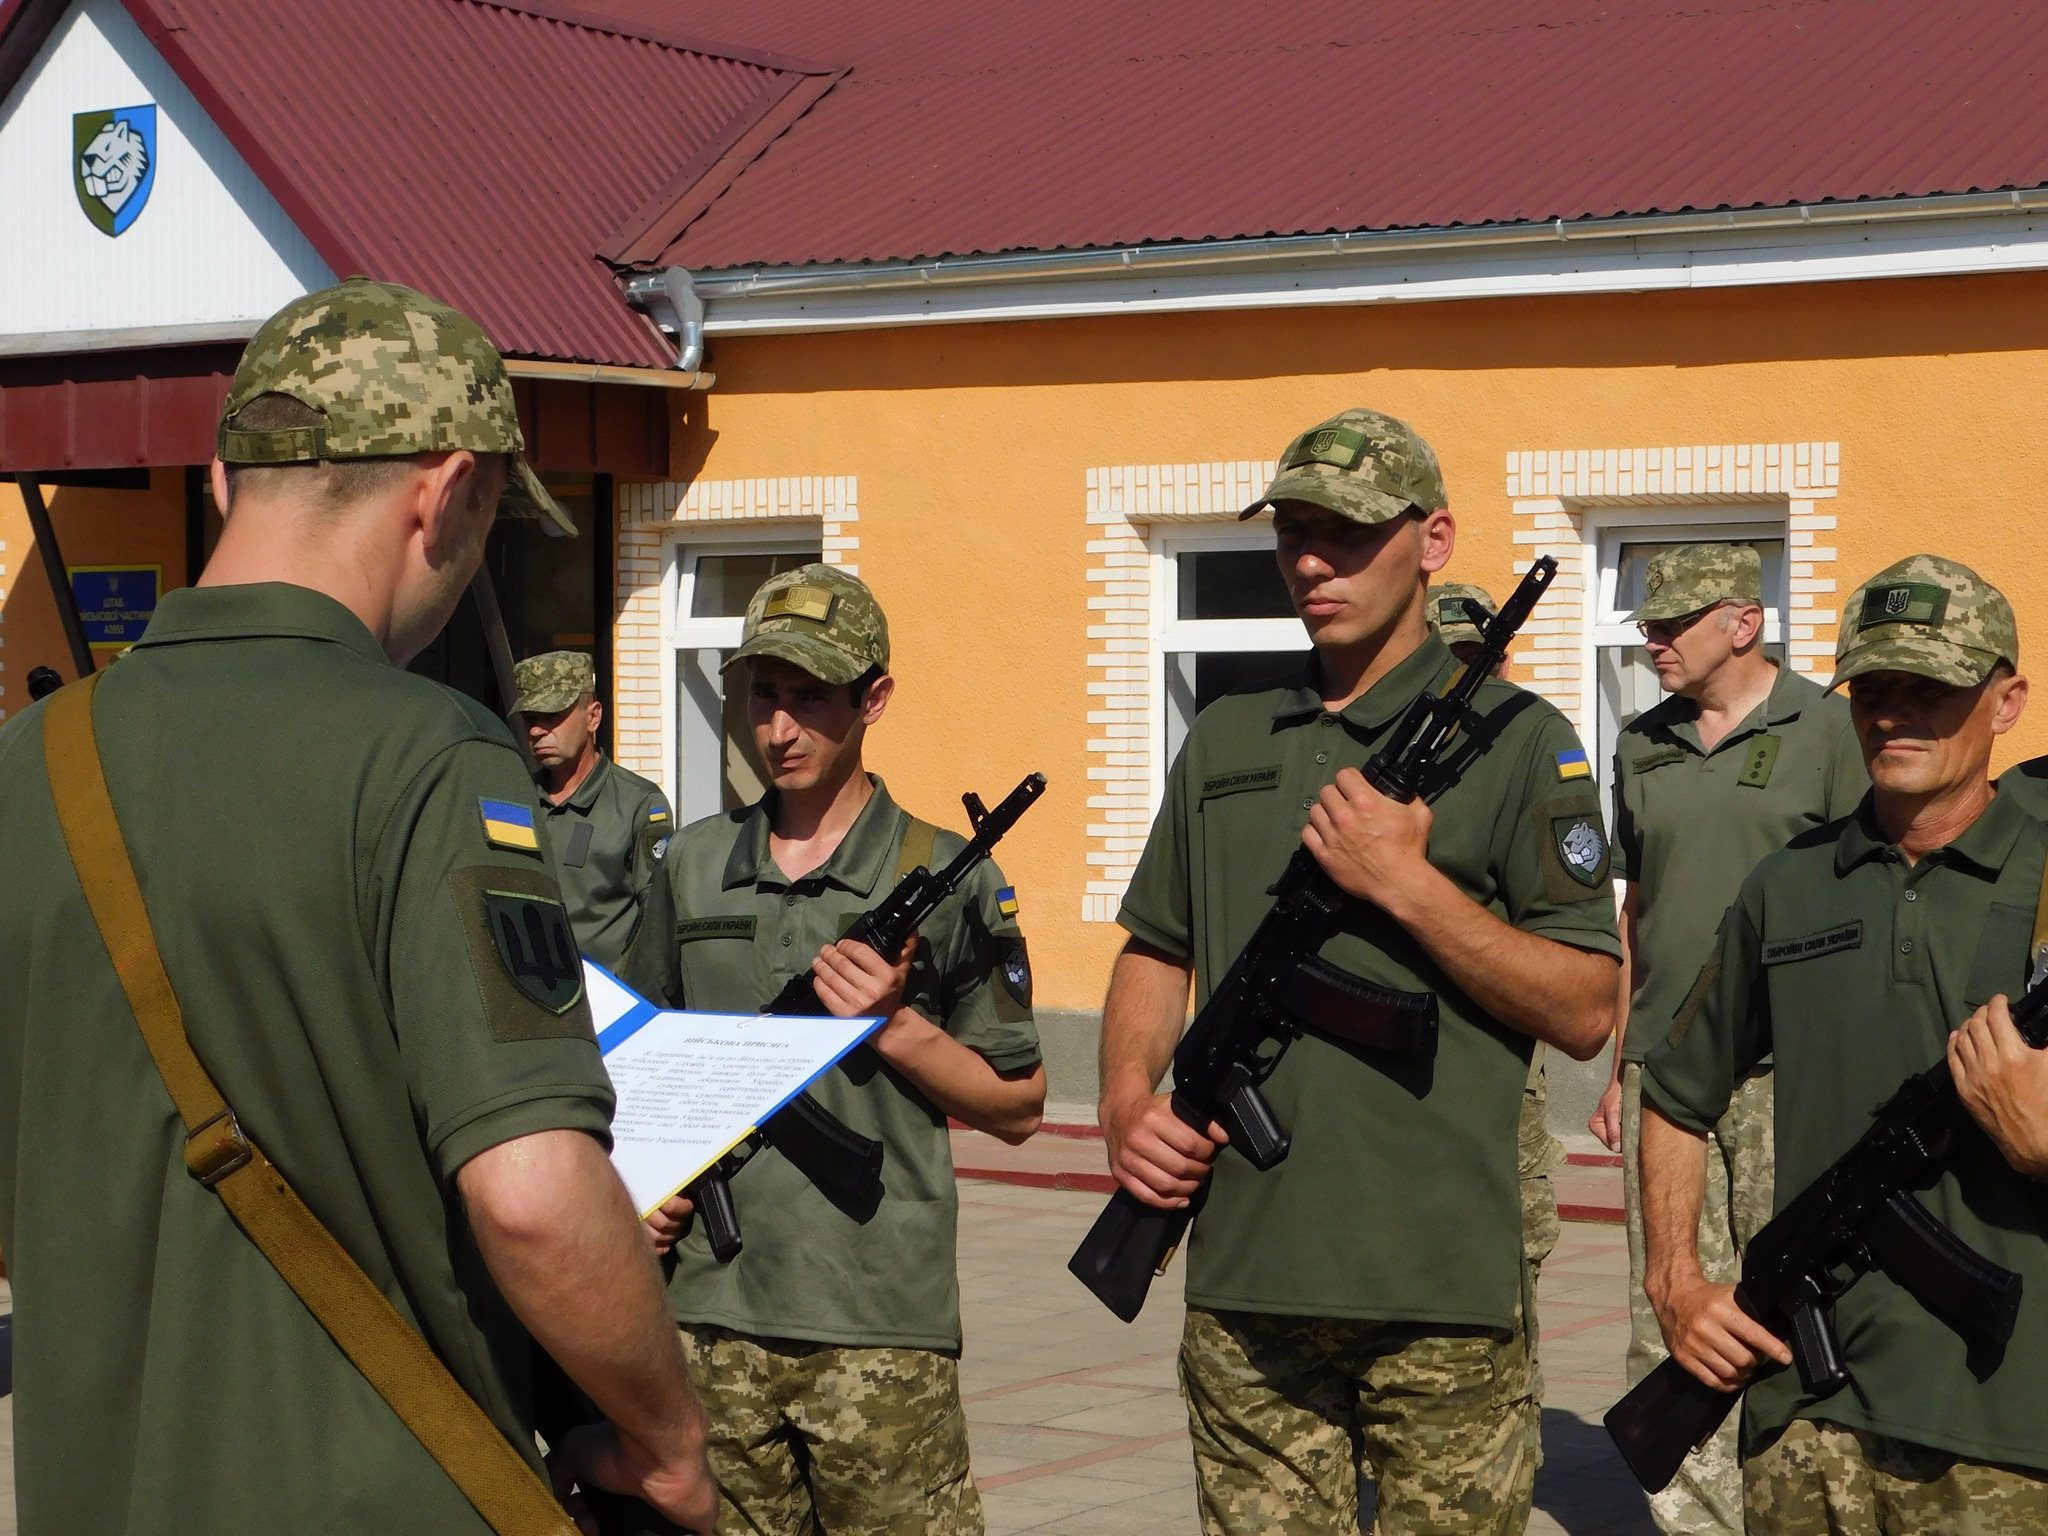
<point x="965" y="128"/>
<point x="477" y="152"/>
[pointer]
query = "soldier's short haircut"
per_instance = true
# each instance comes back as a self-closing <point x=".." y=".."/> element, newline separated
<point x="338" y="483"/>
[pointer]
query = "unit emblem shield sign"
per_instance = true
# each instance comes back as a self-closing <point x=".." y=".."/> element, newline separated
<point x="113" y="164"/>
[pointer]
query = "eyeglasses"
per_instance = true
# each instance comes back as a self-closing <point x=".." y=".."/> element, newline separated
<point x="1664" y="631"/>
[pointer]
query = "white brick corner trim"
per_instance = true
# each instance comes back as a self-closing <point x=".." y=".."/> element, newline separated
<point x="656" y="514"/>
<point x="1553" y="491"/>
<point x="1124" y="501"/>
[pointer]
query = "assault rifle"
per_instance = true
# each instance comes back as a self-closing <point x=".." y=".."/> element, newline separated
<point x="844" y="1165"/>
<point x="1280" y="985"/>
<point x="1858" y="1216"/>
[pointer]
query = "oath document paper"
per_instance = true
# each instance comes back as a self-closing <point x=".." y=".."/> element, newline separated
<point x="692" y="1085"/>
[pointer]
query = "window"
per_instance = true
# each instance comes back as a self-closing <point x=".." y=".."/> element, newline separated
<point x="1627" y="680"/>
<point x="1225" y="622"/>
<point x="715" y="765"/>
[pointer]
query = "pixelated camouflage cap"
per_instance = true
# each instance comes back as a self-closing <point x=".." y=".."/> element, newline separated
<point x="1688" y="577"/>
<point x="1928" y="616"/>
<point x="1361" y="465"/>
<point x="393" y="372"/>
<point x="820" y="618"/>
<point x="1444" y="609"/>
<point x="552" y="680"/>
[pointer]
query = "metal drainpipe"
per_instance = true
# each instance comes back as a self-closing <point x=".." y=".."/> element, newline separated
<point x="669" y="297"/>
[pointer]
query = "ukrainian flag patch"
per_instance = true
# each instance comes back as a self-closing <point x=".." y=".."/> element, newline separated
<point x="657" y="814"/>
<point x="1573" y="764"/>
<point x="508" y="824"/>
<point x="1006" y="901"/>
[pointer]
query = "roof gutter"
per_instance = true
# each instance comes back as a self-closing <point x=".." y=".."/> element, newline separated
<point x="1251" y="254"/>
<point x="669" y="298"/>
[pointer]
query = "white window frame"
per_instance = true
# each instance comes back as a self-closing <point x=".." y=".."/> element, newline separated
<point x="684" y="633"/>
<point x="1606" y="529"/>
<point x="1171" y="634"/>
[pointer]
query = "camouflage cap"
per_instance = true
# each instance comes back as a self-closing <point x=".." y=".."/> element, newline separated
<point x="393" y="372"/>
<point x="1361" y="465"/>
<point x="820" y="618"/>
<point x="552" y="680"/>
<point x="1688" y="577"/>
<point x="1455" y="626"/>
<point x="1928" y="616"/>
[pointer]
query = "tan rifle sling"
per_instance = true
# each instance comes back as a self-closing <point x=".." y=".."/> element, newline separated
<point x="385" y="1348"/>
<point x="919" y="839"/>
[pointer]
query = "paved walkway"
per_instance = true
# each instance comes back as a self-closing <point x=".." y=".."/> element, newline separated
<point x="1077" y="1422"/>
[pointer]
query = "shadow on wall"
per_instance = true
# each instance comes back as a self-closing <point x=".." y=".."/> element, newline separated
<point x="1695" y="329"/>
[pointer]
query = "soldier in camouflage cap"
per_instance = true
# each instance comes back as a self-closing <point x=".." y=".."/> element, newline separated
<point x="1444" y="610"/>
<point x="1692" y="578"/>
<point x="551" y="681"/>
<point x="1358" y="464"/>
<point x="827" y="1348"/>
<point x="391" y="373"/>
<point x="608" y="826"/>
<point x="820" y="618"/>
<point x="1928" y="616"/>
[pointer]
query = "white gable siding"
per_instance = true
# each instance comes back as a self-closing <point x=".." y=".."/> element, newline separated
<point x="211" y="250"/>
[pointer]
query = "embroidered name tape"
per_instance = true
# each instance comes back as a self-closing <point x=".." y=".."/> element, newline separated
<point x="1244" y="778"/>
<point x="741" y="927"/>
<point x="1847" y="936"/>
<point x="1573" y="764"/>
<point x="508" y="824"/>
<point x="1660" y="758"/>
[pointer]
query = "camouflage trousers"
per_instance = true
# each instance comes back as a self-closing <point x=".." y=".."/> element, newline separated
<point x="1291" y="1416"/>
<point x="1824" y="1480"/>
<point x="1705" y="1499"/>
<point x="810" y="1438"/>
<point x="1538" y="1155"/>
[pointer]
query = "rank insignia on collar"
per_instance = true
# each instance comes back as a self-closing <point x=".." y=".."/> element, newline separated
<point x="508" y="824"/>
<point x="537" y="947"/>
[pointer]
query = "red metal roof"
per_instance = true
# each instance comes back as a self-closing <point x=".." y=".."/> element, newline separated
<point x="964" y="127"/>
<point x="485" y="153"/>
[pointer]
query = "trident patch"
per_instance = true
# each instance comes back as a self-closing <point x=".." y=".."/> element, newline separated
<point x="534" y="941"/>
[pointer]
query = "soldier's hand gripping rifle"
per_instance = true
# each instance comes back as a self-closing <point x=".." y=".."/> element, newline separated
<point x="845" y="1165"/>
<point x="1279" y="985"/>
<point x="1858" y="1216"/>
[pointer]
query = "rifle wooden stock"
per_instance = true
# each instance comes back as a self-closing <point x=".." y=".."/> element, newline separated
<point x="1662" y="1418"/>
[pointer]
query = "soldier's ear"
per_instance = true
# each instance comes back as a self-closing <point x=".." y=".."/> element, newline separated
<point x="2012" y="703"/>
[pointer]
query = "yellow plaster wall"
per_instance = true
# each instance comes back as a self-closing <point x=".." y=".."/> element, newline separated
<point x="94" y="527"/>
<point x="972" y="443"/>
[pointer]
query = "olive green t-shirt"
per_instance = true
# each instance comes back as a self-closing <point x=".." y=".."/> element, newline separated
<point x="736" y="930"/>
<point x="307" y="824"/>
<point x="1690" y="824"/>
<point x="2026" y="785"/>
<point x="608" y="838"/>
<point x="1852" y="966"/>
<point x="1399" y="1200"/>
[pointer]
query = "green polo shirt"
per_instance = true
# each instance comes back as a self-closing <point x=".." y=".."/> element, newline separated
<point x="1399" y="1200"/>
<point x="1689" y="824"/>
<point x="306" y="823"/>
<point x="737" y="929"/>
<point x="2026" y="785"/>
<point x="608" y="837"/>
<point x="1851" y="967"/>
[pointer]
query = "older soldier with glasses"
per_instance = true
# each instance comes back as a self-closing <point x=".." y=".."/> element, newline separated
<point x="1853" y="955"/>
<point x="1743" y="756"/>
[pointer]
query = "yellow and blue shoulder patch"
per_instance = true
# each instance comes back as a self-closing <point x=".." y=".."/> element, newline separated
<point x="508" y="824"/>
<point x="1573" y="764"/>
<point x="659" y="813"/>
<point x="1006" y="901"/>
